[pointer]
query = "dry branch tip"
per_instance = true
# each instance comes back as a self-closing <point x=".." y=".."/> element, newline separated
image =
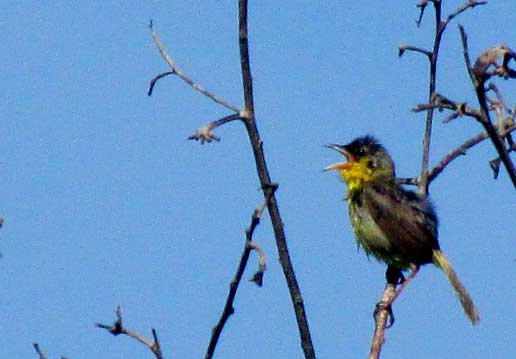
<point x="489" y="58"/>
<point x="39" y="351"/>
<point x="204" y="134"/>
<point x="262" y="263"/>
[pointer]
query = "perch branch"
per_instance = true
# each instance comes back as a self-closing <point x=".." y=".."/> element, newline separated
<point x="384" y="311"/>
<point x="177" y="71"/>
<point x="117" y="328"/>
<point x="233" y="286"/>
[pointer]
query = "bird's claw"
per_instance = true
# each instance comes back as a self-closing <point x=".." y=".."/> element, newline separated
<point x="383" y="306"/>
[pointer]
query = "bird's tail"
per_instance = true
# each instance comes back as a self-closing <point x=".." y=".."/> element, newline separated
<point x="467" y="303"/>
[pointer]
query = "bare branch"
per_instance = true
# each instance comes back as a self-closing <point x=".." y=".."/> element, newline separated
<point x="469" y="5"/>
<point x="479" y="76"/>
<point x="117" y="328"/>
<point x="39" y="351"/>
<point x="422" y="6"/>
<point x="423" y="182"/>
<point x="154" y="80"/>
<point x="204" y="134"/>
<point x="501" y="101"/>
<point x="233" y="287"/>
<point x="403" y="48"/>
<point x="177" y="71"/>
<point x="465" y="51"/>
<point x="461" y="150"/>
<point x="265" y="181"/>
<point x="441" y="102"/>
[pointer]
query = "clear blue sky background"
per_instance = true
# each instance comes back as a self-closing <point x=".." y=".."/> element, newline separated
<point x="107" y="204"/>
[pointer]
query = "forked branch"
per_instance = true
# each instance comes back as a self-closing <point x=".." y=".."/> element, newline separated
<point x="247" y="116"/>
<point x="233" y="286"/>
<point x="117" y="328"/>
<point x="179" y="73"/>
<point x="440" y="27"/>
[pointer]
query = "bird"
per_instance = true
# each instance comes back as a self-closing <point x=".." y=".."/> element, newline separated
<point x="396" y="226"/>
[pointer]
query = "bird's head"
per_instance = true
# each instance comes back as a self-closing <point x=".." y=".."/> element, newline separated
<point x="366" y="160"/>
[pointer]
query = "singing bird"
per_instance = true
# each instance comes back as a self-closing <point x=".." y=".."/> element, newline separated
<point x="395" y="225"/>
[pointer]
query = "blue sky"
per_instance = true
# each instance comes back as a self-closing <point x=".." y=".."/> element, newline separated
<point x="106" y="203"/>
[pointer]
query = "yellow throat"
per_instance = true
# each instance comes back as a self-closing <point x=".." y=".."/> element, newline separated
<point x="357" y="174"/>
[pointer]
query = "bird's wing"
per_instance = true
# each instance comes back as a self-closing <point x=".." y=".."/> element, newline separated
<point x="408" y="221"/>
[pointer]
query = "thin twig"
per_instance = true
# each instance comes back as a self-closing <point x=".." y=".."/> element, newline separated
<point x="423" y="183"/>
<point x="403" y="48"/>
<point x="233" y="287"/>
<point x="461" y="150"/>
<point x="177" y="71"/>
<point x="455" y="153"/>
<point x="410" y="181"/>
<point x="154" y="80"/>
<point x="39" y="351"/>
<point x="265" y="180"/>
<point x="117" y="328"/>
<point x="469" y="5"/>
<point x="442" y="103"/>
<point x="422" y="6"/>
<point x="465" y="51"/>
<point x="499" y="96"/>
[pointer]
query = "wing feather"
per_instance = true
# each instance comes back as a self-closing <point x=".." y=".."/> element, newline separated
<point x="408" y="221"/>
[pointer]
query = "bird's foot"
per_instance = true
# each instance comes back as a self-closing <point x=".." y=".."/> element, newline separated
<point x="384" y="306"/>
<point x="394" y="276"/>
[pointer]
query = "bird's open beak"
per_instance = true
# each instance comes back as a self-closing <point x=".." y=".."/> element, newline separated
<point x="340" y="166"/>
